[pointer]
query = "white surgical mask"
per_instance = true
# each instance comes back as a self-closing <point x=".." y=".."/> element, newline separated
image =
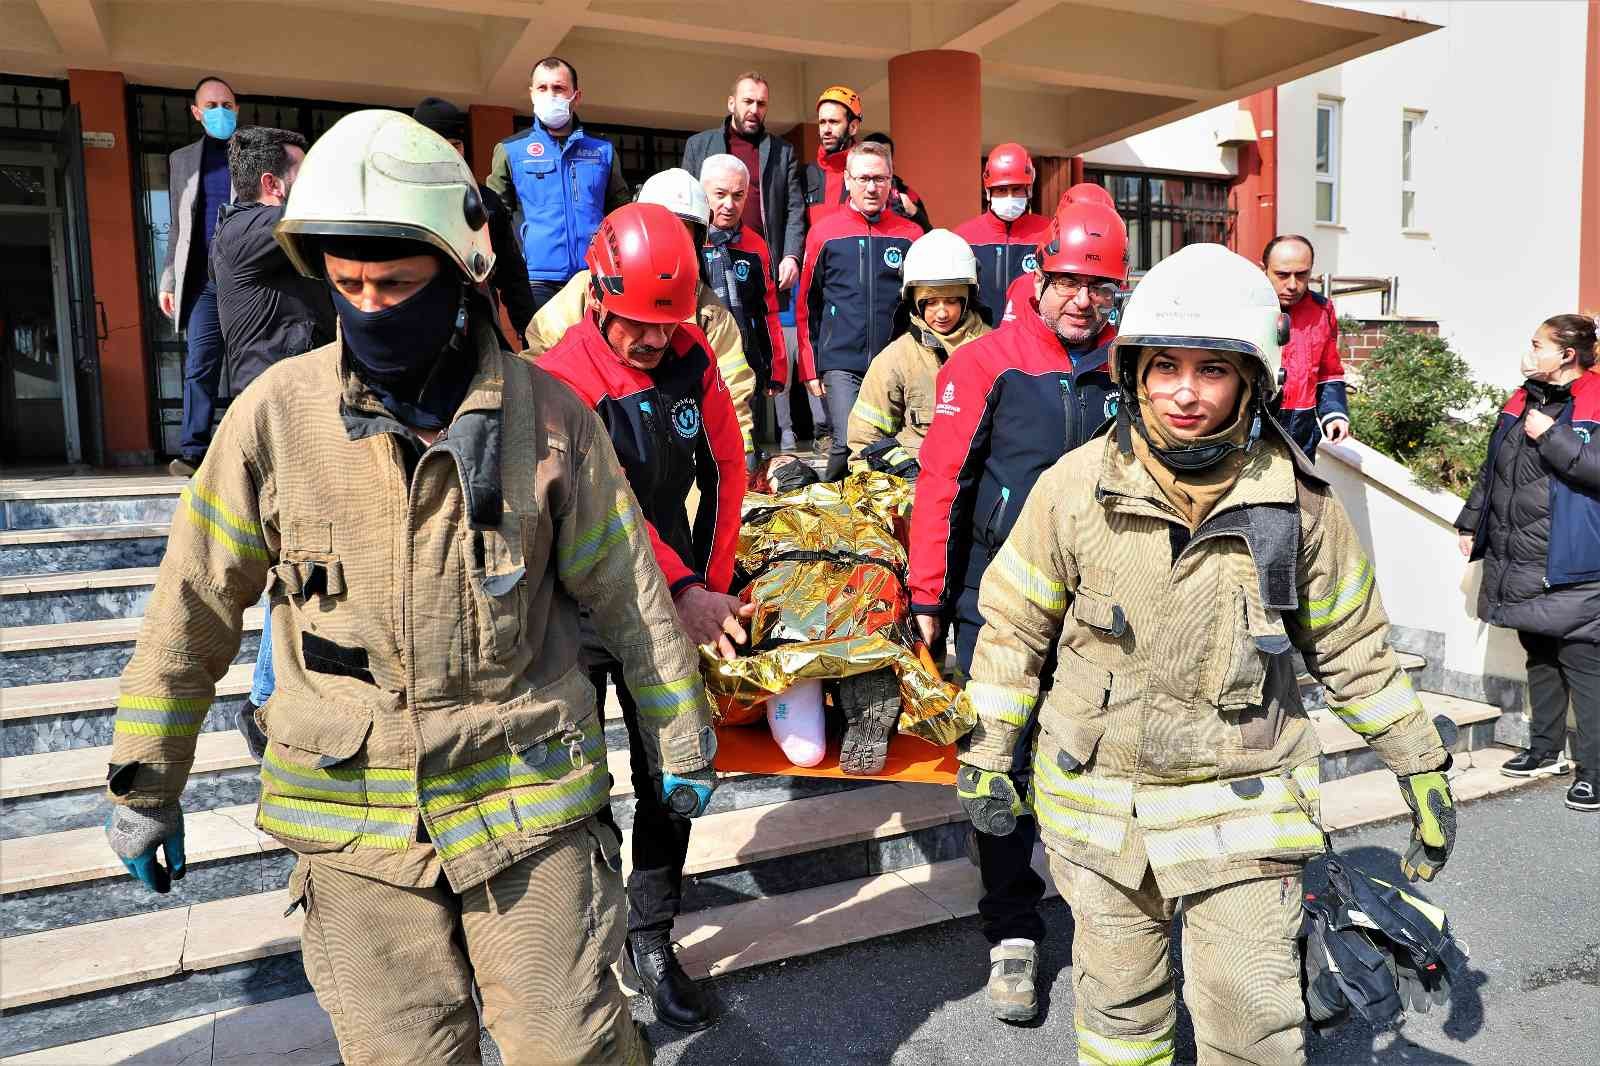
<point x="1009" y="208"/>
<point x="553" y="112"/>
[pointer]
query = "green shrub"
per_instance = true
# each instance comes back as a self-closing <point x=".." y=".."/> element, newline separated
<point x="1418" y="404"/>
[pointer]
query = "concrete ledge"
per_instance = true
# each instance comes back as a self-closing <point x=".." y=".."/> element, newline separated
<point x="84" y="634"/>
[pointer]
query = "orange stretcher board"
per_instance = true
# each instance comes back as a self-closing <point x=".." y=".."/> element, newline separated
<point x="750" y="749"/>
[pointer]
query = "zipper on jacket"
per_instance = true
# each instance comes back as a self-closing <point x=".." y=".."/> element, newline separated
<point x="1067" y="407"/>
<point x="866" y="286"/>
<point x="1518" y="439"/>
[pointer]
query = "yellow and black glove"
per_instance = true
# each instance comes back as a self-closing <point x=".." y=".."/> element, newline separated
<point x="1433" y="823"/>
<point x="989" y="798"/>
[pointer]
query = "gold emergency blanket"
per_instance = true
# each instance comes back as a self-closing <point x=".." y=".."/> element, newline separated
<point x="831" y="602"/>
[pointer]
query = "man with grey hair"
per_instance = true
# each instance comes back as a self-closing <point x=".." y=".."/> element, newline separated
<point x="775" y="207"/>
<point x="738" y="269"/>
<point x="851" y="281"/>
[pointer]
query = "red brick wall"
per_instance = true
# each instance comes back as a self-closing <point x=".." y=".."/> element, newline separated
<point x="1355" y="346"/>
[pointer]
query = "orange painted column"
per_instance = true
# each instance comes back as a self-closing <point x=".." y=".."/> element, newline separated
<point x="125" y="390"/>
<point x="936" y="119"/>
<point x="1256" y="188"/>
<point x="486" y="127"/>
<point x="1589" y="215"/>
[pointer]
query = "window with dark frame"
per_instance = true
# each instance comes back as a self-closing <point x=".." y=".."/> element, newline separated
<point x="31" y="105"/>
<point x="1164" y="212"/>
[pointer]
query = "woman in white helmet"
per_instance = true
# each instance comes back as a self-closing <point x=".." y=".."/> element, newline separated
<point x="679" y="192"/>
<point x="939" y="290"/>
<point x="1169" y="570"/>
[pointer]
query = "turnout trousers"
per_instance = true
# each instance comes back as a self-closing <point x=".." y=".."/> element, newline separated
<point x="1241" y="970"/>
<point x="394" y="967"/>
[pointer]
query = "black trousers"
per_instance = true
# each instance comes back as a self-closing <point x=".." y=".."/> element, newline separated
<point x="1562" y="673"/>
<point x="660" y="837"/>
<point x="1012" y="890"/>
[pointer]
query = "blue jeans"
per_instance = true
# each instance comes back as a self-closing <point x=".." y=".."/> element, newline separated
<point x="264" y="681"/>
<point x="202" y="369"/>
<point x="843" y="386"/>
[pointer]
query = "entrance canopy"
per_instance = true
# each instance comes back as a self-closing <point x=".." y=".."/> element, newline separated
<point x="1061" y="78"/>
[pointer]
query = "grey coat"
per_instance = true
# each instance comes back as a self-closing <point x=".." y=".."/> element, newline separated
<point x="785" y="212"/>
<point x="183" y="208"/>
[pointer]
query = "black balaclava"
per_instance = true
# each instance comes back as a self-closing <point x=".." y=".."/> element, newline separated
<point x="413" y="355"/>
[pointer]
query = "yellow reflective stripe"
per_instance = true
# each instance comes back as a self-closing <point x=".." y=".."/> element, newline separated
<point x="1089" y="791"/>
<point x="539" y="808"/>
<point x="589" y="547"/>
<point x="441" y="792"/>
<point x="1347" y="595"/>
<point x="160" y="716"/>
<point x="344" y="824"/>
<point x="1308" y="776"/>
<point x="873" y="416"/>
<point x="670" y="698"/>
<point x="216" y="521"/>
<point x="1116" y="1051"/>
<point x="1168" y="808"/>
<point x="356" y="786"/>
<point x="1000" y="703"/>
<point x="1234" y="838"/>
<point x="1099" y="830"/>
<point x="1382" y="709"/>
<point x="1043" y="591"/>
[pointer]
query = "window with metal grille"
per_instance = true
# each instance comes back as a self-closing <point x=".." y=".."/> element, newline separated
<point x="31" y="105"/>
<point x="1165" y="212"/>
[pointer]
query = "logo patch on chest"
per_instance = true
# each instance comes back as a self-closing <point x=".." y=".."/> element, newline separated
<point x="686" y="418"/>
<point x="536" y="148"/>
<point x="892" y="258"/>
<point x="1111" y="405"/>
<point x="1582" y="434"/>
<point x="1030" y="263"/>
<point x="741" y="270"/>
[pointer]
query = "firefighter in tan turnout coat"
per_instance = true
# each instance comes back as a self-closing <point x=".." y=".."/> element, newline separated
<point x="1170" y="569"/>
<point x="427" y="512"/>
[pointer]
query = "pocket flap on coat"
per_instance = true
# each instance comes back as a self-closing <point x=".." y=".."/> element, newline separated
<point x="327" y="733"/>
<point x="1075" y="739"/>
<point x="533" y="718"/>
<point x="1099" y="612"/>
<point x="1083" y="679"/>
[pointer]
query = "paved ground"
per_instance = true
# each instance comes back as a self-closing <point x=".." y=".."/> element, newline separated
<point x="1520" y="890"/>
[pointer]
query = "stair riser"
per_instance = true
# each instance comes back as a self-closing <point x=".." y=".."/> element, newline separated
<point x="74" y="605"/>
<point x="186" y="995"/>
<point x="89" y="729"/>
<point x="1363" y="759"/>
<point x="87" y="511"/>
<point x="80" y="556"/>
<point x="117" y="897"/>
<point x="42" y="666"/>
<point x="59" y="811"/>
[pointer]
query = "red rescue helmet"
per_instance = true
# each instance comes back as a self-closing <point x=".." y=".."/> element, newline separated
<point x="1008" y="164"/>
<point x="1086" y="192"/>
<point x="1086" y="238"/>
<point x="643" y="265"/>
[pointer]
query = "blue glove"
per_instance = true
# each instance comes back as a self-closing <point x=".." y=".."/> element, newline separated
<point x="688" y="795"/>
<point x="136" y="834"/>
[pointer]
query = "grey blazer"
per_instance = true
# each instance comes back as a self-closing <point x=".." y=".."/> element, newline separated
<point x="783" y="197"/>
<point x="183" y="207"/>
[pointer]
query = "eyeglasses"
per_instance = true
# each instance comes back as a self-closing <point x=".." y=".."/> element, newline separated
<point x="874" y="179"/>
<point x="1067" y="287"/>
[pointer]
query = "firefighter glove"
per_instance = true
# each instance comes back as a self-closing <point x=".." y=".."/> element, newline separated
<point x="989" y="798"/>
<point x="1433" y="823"/>
<point x="688" y="794"/>
<point x="135" y="834"/>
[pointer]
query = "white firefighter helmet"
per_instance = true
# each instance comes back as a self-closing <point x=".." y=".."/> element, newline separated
<point x="938" y="257"/>
<point x="1204" y="296"/>
<point x="678" y="191"/>
<point x="384" y="174"/>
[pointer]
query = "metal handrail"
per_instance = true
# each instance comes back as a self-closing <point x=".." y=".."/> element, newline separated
<point x="1348" y="285"/>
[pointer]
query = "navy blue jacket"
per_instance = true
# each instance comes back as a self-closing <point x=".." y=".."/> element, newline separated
<point x="850" y="289"/>
<point x="562" y="190"/>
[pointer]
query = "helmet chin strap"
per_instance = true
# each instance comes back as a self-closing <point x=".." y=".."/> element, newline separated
<point x="1184" y="460"/>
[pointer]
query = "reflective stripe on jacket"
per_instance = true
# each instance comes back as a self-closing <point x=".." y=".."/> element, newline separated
<point x="1172" y="733"/>
<point x="425" y="607"/>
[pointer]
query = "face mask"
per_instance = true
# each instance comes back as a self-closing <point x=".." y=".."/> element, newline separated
<point x="1539" y="367"/>
<point x="220" y="122"/>
<point x="1009" y="208"/>
<point x="553" y="112"/>
<point x="395" y="349"/>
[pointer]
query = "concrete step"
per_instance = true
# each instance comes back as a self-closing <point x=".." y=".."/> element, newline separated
<point x="51" y="502"/>
<point x="63" y="715"/>
<point x="88" y="596"/>
<point x="189" y="969"/>
<point x="760" y="837"/>
<point x="74" y="549"/>
<point x="66" y="651"/>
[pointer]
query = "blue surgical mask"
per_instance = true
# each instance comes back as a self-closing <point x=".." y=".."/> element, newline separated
<point x="220" y="122"/>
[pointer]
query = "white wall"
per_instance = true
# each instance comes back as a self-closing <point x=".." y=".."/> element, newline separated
<point x="1499" y="176"/>
<point x="1188" y="146"/>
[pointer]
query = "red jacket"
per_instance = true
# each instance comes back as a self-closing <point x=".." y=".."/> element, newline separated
<point x="757" y="319"/>
<point x="660" y="421"/>
<point x="1313" y="374"/>
<point x="1006" y="251"/>
<point x="1008" y="406"/>
<point x="825" y="191"/>
<point x="1019" y="294"/>
<point x="845" y="308"/>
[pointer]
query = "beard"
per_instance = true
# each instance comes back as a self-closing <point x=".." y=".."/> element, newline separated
<point x="1072" y="334"/>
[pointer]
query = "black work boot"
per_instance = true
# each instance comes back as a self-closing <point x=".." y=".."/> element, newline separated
<point x="1531" y="763"/>
<point x="678" y="1000"/>
<point x="871" y="706"/>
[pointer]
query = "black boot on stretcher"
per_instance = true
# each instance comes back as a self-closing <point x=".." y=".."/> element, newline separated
<point x="870" y="704"/>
